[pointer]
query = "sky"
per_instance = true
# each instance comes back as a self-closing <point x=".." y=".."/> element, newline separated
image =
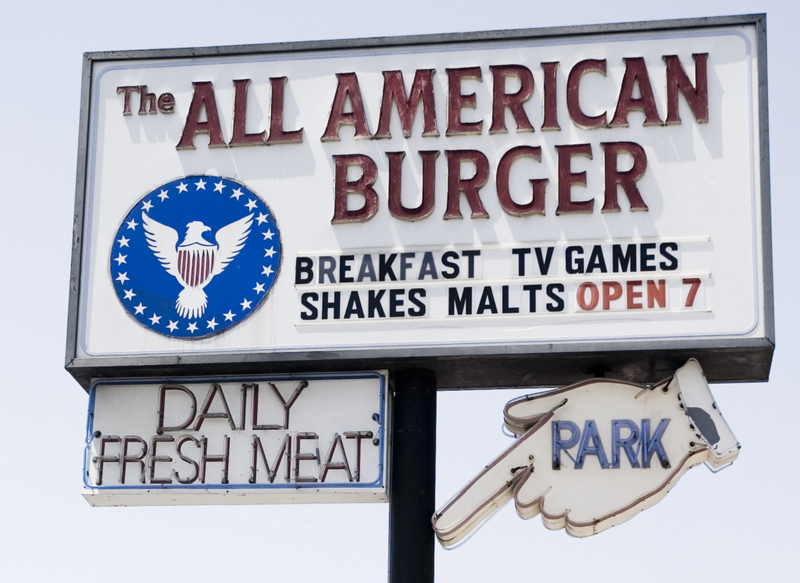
<point x="738" y="525"/>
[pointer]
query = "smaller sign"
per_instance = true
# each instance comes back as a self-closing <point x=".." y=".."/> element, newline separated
<point x="237" y="440"/>
<point x="592" y="455"/>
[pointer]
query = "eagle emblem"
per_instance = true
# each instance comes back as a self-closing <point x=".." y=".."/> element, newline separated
<point x="195" y="256"/>
<point x="195" y="262"/>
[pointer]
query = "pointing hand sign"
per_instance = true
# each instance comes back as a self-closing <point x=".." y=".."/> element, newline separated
<point x="592" y="455"/>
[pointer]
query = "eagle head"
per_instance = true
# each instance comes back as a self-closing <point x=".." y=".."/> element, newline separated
<point x="194" y="233"/>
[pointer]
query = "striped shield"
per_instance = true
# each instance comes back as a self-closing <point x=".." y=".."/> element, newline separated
<point x="195" y="263"/>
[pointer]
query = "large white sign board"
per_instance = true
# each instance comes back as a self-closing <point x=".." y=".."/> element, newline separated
<point x="523" y="193"/>
<point x="275" y="439"/>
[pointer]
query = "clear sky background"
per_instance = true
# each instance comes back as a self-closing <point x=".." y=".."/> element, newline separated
<point x="739" y="525"/>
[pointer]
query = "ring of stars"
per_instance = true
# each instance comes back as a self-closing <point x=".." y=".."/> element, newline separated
<point x="134" y="238"/>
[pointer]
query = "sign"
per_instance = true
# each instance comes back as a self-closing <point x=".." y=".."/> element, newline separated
<point x="593" y="455"/>
<point x="191" y="261"/>
<point x="237" y="440"/>
<point x="552" y="201"/>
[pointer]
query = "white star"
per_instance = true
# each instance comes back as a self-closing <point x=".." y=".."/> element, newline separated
<point x="219" y="186"/>
<point x="259" y="289"/>
<point x="200" y="184"/>
<point x="182" y="187"/>
<point x="121" y="259"/>
<point x="268" y="234"/>
<point x="162" y="195"/>
<point x="155" y="319"/>
<point x="267" y="271"/>
<point x="147" y="205"/>
<point x="140" y="308"/>
<point x="172" y="326"/>
<point x="237" y="193"/>
<point x="132" y="224"/>
<point x="123" y="277"/>
<point x="262" y="218"/>
<point x="245" y="304"/>
<point x="251" y="205"/>
<point x="212" y="323"/>
<point x="192" y="327"/>
<point x="229" y="316"/>
<point x="129" y="294"/>
<point x="123" y="242"/>
<point x="269" y="252"/>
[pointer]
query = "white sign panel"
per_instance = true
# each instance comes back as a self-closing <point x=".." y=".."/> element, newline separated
<point x="273" y="439"/>
<point x="592" y="455"/>
<point x="477" y="197"/>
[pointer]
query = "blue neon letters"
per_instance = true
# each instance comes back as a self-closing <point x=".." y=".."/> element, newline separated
<point x="637" y="444"/>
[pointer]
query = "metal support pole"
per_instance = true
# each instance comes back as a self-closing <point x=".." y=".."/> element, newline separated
<point x="413" y="478"/>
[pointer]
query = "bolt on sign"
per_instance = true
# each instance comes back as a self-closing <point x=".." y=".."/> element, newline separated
<point x="555" y="201"/>
<point x="276" y="439"/>
<point x="592" y="455"/>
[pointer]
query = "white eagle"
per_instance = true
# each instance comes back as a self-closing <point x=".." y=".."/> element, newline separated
<point x="195" y="262"/>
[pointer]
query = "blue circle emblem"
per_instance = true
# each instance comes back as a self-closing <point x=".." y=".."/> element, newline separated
<point x="195" y="256"/>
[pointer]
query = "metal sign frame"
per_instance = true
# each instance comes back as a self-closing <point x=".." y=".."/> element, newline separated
<point x="485" y="365"/>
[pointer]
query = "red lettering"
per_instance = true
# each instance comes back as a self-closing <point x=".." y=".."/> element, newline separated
<point x="195" y="466"/>
<point x="277" y="135"/>
<point x="357" y="436"/>
<point x="283" y="456"/>
<point x="612" y="291"/>
<point x="550" y="96"/>
<point x="513" y="101"/>
<point x="137" y="458"/>
<point x="104" y="458"/>
<point x="166" y="103"/>
<point x="162" y="408"/>
<point x="127" y="89"/>
<point x="394" y="92"/>
<point x="470" y="186"/>
<point x="656" y="293"/>
<point x="206" y="458"/>
<point x="694" y="283"/>
<point x="347" y="88"/>
<point x="594" y="296"/>
<point x="566" y="178"/>
<point x="363" y="186"/>
<point x="329" y="464"/>
<point x="626" y="179"/>
<point x="202" y="100"/>
<point x="457" y="101"/>
<point x="240" y="136"/>
<point x="425" y="208"/>
<point x="633" y="294"/>
<point x="213" y="391"/>
<point x="636" y="73"/>
<point x="573" y="94"/>
<point x="678" y="81"/>
<point x="302" y="456"/>
<point x="155" y="458"/>
<point x="536" y="204"/>
<point x="147" y="101"/>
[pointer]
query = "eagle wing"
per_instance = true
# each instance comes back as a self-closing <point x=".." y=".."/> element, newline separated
<point x="163" y="242"/>
<point x="231" y="238"/>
